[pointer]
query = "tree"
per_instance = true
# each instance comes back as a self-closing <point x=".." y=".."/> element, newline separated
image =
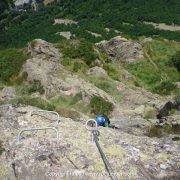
<point x="5" y="4"/>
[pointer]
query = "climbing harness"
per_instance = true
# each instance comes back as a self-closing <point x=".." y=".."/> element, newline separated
<point x="36" y="129"/>
<point x="95" y="138"/>
<point x="52" y="112"/>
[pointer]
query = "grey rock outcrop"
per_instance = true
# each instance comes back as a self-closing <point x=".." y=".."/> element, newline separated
<point x="45" y="67"/>
<point x="121" y="49"/>
<point x="21" y="2"/>
<point x="7" y="93"/>
<point x="97" y="71"/>
<point x="73" y="155"/>
<point x="64" y="21"/>
<point x="65" y="34"/>
<point x="44" y="49"/>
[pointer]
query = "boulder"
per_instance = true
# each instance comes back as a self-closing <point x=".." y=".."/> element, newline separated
<point x="45" y="49"/>
<point x="97" y="71"/>
<point x="64" y="21"/>
<point x="94" y="34"/>
<point x="98" y="63"/>
<point x="66" y="34"/>
<point x="21" y="2"/>
<point x="107" y="29"/>
<point x="177" y="84"/>
<point x="150" y="113"/>
<point x="121" y="49"/>
<point x="7" y="93"/>
<point x="147" y="40"/>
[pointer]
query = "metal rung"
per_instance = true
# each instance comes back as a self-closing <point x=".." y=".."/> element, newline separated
<point x="53" y="112"/>
<point x="35" y="129"/>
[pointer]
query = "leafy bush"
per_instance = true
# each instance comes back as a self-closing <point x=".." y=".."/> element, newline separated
<point x="159" y="131"/>
<point x="35" y="87"/>
<point x="75" y="99"/>
<point x="100" y="106"/>
<point x="164" y="88"/>
<point x="83" y="51"/>
<point x="37" y="102"/>
<point x="112" y="71"/>
<point x="11" y="61"/>
<point x="92" y="15"/>
<point x="75" y="65"/>
<point x="175" y="61"/>
<point x="106" y="86"/>
<point x="5" y="4"/>
<point x="31" y="88"/>
<point x="177" y="98"/>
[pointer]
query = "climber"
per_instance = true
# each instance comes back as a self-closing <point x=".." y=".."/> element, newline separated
<point x="102" y="120"/>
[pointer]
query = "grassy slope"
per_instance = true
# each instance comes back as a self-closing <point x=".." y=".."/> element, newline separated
<point x="11" y="61"/>
<point x="156" y="72"/>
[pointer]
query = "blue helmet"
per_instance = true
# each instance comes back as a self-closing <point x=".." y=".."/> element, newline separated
<point x="102" y="120"/>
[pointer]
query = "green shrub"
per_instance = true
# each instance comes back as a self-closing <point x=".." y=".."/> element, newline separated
<point x="79" y="66"/>
<point x="36" y="101"/>
<point x="22" y="27"/>
<point x="75" y="99"/>
<point x="75" y="65"/>
<point x="35" y="86"/>
<point x="159" y="131"/>
<point x="112" y="71"/>
<point x="164" y="87"/>
<point x="28" y="89"/>
<point x="175" y="61"/>
<point x="83" y="51"/>
<point x="177" y="98"/>
<point x="11" y="61"/>
<point x="100" y="106"/>
<point x="20" y="78"/>
<point x="106" y="86"/>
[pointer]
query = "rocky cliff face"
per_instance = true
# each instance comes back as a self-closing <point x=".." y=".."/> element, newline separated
<point x="74" y="155"/>
<point x="71" y="154"/>
<point x="22" y="2"/>
<point x="45" y="67"/>
<point x="121" y="49"/>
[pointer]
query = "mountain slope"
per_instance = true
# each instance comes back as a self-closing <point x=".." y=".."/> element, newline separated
<point x="125" y="16"/>
<point x="80" y="59"/>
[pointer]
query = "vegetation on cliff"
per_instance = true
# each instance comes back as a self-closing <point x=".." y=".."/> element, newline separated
<point x="125" y="16"/>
